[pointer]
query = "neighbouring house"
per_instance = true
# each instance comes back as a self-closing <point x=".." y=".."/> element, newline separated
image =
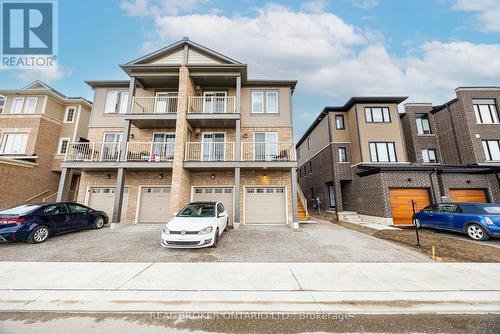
<point x="36" y="125"/>
<point x="367" y="159"/>
<point x="188" y="125"/>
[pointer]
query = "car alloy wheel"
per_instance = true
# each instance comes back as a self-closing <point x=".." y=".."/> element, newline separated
<point x="99" y="222"/>
<point x="475" y="232"/>
<point x="41" y="234"/>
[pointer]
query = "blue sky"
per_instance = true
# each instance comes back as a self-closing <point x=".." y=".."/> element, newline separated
<point x="336" y="49"/>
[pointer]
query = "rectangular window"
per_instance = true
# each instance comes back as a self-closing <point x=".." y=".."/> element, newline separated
<point x="272" y="102"/>
<point x="17" y="105"/>
<point x="486" y="111"/>
<point x="63" y="145"/>
<point x="265" y="102"/>
<point x="116" y="102"/>
<point x="491" y="150"/>
<point x="339" y="122"/>
<point x="69" y="115"/>
<point x="30" y="105"/>
<point x="342" y="154"/>
<point x="308" y="143"/>
<point x="14" y="143"/>
<point x="310" y="168"/>
<point x="429" y="155"/>
<point x="298" y="153"/>
<point x="423" y="125"/>
<point x="377" y="115"/>
<point x="383" y="152"/>
<point x="257" y="102"/>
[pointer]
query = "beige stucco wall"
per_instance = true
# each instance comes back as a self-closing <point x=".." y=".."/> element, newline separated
<point x="283" y="118"/>
<point x="319" y="138"/>
<point x="340" y="135"/>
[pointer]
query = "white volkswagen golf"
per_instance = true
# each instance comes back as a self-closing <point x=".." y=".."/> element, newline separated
<point x="198" y="224"/>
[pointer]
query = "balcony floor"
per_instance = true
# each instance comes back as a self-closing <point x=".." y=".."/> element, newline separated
<point x="103" y="165"/>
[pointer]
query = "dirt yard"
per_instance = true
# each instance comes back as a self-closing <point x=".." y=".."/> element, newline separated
<point x="449" y="247"/>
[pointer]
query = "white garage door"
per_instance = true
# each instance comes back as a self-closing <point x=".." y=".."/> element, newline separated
<point x="222" y="194"/>
<point x="154" y="205"/>
<point x="103" y="199"/>
<point x="265" y="205"/>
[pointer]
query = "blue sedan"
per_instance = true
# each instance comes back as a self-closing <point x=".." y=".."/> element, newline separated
<point x="479" y="221"/>
<point x="34" y="223"/>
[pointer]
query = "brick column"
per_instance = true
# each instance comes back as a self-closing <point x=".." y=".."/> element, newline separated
<point x="181" y="183"/>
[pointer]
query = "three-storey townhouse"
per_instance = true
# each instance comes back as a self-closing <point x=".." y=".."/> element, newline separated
<point x="188" y="126"/>
<point x="365" y="158"/>
<point x="37" y="123"/>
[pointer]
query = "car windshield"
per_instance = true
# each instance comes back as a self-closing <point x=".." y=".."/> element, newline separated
<point x="19" y="210"/>
<point x="198" y="210"/>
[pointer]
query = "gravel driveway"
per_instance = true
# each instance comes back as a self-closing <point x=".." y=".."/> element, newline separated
<point x="322" y="242"/>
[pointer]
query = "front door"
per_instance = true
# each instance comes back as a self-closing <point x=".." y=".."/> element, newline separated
<point x="265" y="146"/>
<point x="331" y="193"/>
<point x="213" y="146"/>
<point x="111" y="146"/>
<point x="214" y="102"/>
<point x="164" y="102"/>
<point x="163" y="146"/>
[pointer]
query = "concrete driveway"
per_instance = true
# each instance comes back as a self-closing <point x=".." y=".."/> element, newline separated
<point x="322" y="242"/>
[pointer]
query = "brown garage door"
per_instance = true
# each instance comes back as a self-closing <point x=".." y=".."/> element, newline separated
<point x="401" y="206"/>
<point x="468" y="195"/>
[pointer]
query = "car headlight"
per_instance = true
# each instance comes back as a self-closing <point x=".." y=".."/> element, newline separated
<point x="165" y="230"/>
<point x="206" y="230"/>
<point x="489" y="221"/>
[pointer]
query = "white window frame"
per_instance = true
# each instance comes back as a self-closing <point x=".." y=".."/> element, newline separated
<point x="277" y="101"/>
<point x="120" y="103"/>
<point x="12" y="110"/>
<point x="27" y="104"/>
<point x="426" y="158"/>
<point x="4" y="142"/>
<point x="487" y="149"/>
<point x="59" y="147"/>
<point x="376" y="152"/>
<point x="494" y="116"/>
<point x="420" y="125"/>
<point x="261" y="93"/>
<point x="66" y="113"/>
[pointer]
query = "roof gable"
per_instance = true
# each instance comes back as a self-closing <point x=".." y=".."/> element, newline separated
<point x="182" y="52"/>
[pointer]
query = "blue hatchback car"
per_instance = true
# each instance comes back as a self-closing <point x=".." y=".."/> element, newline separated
<point x="34" y="223"/>
<point x="479" y="221"/>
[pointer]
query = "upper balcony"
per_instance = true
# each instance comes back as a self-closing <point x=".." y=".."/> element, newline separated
<point x="158" y="111"/>
<point x="213" y="109"/>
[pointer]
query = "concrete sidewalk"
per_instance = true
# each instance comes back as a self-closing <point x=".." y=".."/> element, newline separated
<point x="258" y="287"/>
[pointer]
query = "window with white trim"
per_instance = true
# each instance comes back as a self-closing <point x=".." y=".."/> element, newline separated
<point x="486" y="111"/>
<point x="429" y="155"/>
<point x="382" y="152"/>
<point x="63" y="145"/>
<point x="342" y="154"/>
<point x="14" y="143"/>
<point x="423" y="125"/>
<point x="30" y="105"/>
<point x="491" y="150"/>
<point x="265" y="102"/>
<point x="116" y="101"/>
<point x="377" y="115"/>
<point x="17" y="105"/>
<point x="69" y="114"/>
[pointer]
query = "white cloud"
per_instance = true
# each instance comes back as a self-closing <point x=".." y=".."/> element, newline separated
<point x="487" y="12"/>
<point x="315" y="6"/>
<point x="331" y="57"/>
<point x="159" y="7"/>
<point x="365" y="4"/>
<point x="46" y="74"/>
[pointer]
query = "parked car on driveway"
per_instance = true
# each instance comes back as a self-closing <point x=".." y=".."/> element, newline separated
<point x="197" y="225"/>
<point x="34" y="223"/>
<point x="479" y="221"/>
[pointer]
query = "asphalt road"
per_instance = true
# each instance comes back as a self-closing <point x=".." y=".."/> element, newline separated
<point x="322" y="242"/>
<point x="49" y="323"/>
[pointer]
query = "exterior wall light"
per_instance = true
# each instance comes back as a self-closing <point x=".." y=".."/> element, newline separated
<point x="160" y="176"/>
<point x="213" y="176"/>
<point x="108" y="176"/>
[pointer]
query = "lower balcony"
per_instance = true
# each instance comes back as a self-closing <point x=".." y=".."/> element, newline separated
<point x="210" y="154"/>
<point x="102" y="155"/>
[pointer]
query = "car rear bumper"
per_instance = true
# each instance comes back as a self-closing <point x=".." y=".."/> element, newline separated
<point x="187" y="241"/>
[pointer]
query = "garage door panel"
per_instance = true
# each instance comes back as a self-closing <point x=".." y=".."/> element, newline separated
<point x="154" y="205"/>
<point x="265" y="205"/>
<point x="225" y="195"/>
<point x="468" y="195"/>
<point x="103" y="199"/>
<point x="401" y="203"/>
